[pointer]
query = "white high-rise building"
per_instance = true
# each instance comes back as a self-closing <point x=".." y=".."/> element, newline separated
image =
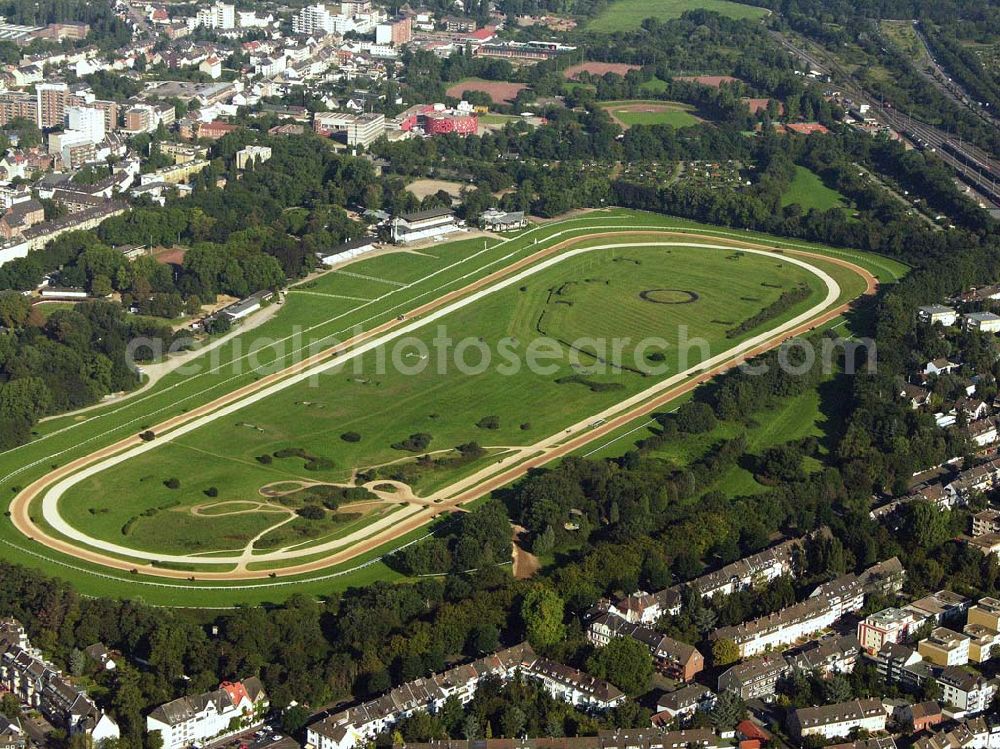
<point x="86" y="120"/>
<point x="318" y="17"/>
<point x="218" y="16"/>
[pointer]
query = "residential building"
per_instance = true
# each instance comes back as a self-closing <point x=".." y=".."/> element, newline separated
<point x="937" y="314"/>
<point x="755" y="678"/>
<point x="684" y="702"/>
<point x="743" y="574"/>
<point x="941" y="607"/>
<point x="396" y="32"/>
<point x="677" y="659"/>
<point x="20" y="217"/>
<point x="51" y="99"/>
<point x="457" y="24"/>
<point x="358" y="129"/>
<point x="901" y="665"/>
<point x="17" y="105"/>
<point x="782" y="627"/>
<point x="888" y="625"/>
<point x="230" y="709"/>
<point x="982" y="641"/>
<point x="217" y="16"/>
<point x="983" y="322"/>
<point x="986" y="521"/>
<point x="966" y="691"/>
<point x="73" y="149"/>
<point x="86" y="120"/>
<point x="41" y="686"/>
<point x="256" y="154"/>
<point x="986" y="612"/>
<point x="971" y="734"/>
<point x="637" y="738"/>
<point x="923" y="715"/>
<point x="432" y="223"/>
<point x="360" y="724"/>
<point x="12" y="735"/>
<point x="833" y="721"/>
<point x="833" y="654"/>
<point x="175" y="174"/>
<point x="940" y="366"/>
<point x="945" y="647"/>
<point x="211" y="66"/>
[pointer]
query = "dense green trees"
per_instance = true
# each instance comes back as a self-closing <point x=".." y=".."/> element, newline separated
<point x="624" y="662"/>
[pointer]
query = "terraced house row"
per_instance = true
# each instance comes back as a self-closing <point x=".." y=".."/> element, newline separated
<point x="41" y="686"/>
<point x="358" y="725"/>
<point x="743" y="574"/>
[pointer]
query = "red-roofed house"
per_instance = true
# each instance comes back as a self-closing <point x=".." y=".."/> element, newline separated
<point x="483" y="35"/>
<point x="214" y="130"/>
<point x="751" y="735"/>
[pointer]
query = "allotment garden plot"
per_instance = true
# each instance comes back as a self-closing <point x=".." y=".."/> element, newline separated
<point x="339" y="457"/>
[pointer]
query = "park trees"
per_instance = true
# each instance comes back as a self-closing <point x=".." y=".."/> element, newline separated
<point x="542" y="615"/>
<point x="624" y="662"/>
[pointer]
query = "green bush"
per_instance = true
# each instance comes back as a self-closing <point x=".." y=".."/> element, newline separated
<point x="312" y="512"/>
<point x="489" y="422"/>
<point x="350" y="437"/>
<point x="415" y="443"/>
<point x="172" y="483"/>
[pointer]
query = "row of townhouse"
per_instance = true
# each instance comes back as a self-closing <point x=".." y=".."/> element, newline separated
<point x="743" y="574"/>
<point x="827" y="604"/>
<point x="637" y="738"/>
<point x="970" y="734"/>
<point x="360" y="724"/>
<point x="232" y="708"/>
<point x="835" y="721"/>
<point x="674" y="658"/>
<point x="41" y="686"/>
<point x="758" y="678"/>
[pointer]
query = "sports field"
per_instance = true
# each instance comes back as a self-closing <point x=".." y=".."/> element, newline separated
<point x="227" y="465"/>
<point x="653" y="112"/>
<point x="628" y="15"/>
<point x="808" y="190"/>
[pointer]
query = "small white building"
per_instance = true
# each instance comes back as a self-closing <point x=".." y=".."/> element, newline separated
<point x="984" y="322"/>
<point x="967" y="691"/>
<point x="937" y="314"/>
<point x="834" y="721"/>
<point x="232" y="708"/>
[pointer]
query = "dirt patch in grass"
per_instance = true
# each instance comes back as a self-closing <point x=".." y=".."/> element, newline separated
<point x="598" y="68"/>
<point x="501" y="92"/>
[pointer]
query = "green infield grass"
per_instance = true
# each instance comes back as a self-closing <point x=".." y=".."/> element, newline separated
<point x="808" y="190"/>
<point x="628" y="15"/>
<point x="313" y="316"/>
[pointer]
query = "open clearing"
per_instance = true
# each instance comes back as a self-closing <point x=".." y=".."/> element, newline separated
<point x="629" y="113"/>
<point x="501" y="92"/>
<point x="421" y="188"/>
<point x="393" y="283"/>
<point x="808" y="190"/>
<point x="628" y="15"/>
